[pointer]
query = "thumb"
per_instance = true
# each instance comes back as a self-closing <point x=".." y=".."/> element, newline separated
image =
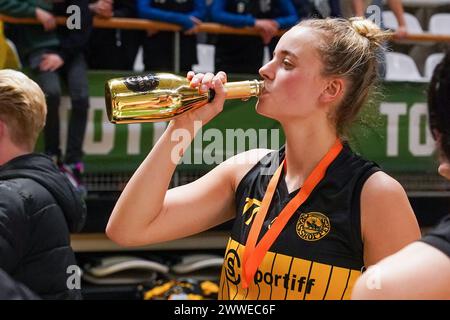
<point x="220" y="92"/>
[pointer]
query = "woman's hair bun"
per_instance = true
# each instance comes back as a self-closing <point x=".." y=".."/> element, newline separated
<point x="370" y="30"/>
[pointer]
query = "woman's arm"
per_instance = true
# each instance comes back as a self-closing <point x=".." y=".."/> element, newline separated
<point x="358" y="8"/>
<point x="146" y="11"/>
<point x="199" y="10"/>
<point x="388" y="222"/>
<point x="418" y="271"/>
<point x="147" y="212"/>
<point x="220" y="15"/>
<point x="288" y="16"/>
<point x="397" y="8"/>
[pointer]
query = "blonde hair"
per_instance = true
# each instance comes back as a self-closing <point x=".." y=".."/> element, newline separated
<point x="350" y="48"/>
<point x="22" y="107"/>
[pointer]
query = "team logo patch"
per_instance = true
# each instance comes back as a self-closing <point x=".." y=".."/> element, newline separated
<point x="313" y="226"/>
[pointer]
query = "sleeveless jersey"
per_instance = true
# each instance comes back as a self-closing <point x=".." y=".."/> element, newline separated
<point x="319" y="253"/>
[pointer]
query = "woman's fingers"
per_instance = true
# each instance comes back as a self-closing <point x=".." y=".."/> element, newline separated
<point x="190" y="75"/>
<point x="205" y="81"/>
<point x="222" y="76"/>
<point x="196" y="80"/>
<point x="219" y="90"/>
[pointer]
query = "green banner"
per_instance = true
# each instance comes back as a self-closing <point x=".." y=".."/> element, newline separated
<point x="393" y="132"/>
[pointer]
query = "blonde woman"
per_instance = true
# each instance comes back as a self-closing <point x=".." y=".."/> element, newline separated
<point x="306" y="229"/>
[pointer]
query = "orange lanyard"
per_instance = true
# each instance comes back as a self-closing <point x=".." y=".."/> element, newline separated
<point x="254" y="253"/>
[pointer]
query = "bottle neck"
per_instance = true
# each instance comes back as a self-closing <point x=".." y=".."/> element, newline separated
<point x="243" y="89"/>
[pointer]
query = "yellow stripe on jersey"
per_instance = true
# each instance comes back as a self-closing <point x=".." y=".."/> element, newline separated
<point x="351" y="282"/>
<point x="321" y="274"/>
<point x="297" y="285"/>
<point x="277" y="277"/>
<point x="261" y="290"/>
<point x="338" y="283"/>
<point x="284" y="277"/>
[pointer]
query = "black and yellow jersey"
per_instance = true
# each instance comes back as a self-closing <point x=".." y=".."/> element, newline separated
<point x="319" y="253"/>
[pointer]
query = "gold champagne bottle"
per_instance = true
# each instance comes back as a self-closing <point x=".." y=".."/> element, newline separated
<point x="163" y="96"/>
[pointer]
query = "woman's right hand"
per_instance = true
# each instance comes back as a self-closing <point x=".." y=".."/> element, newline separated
<point x="204" y="114"/>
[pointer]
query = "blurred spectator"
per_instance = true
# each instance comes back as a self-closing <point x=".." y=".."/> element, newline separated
<point x="317" y="8"/>
<point x="12" y="290"/>
<point x="159" y="45"/>
<point x="244" y="54"/>
<point x="358" y="8"/>
<point x="326" y="8"/>
<point x="304" y="8"/>
<point x="51" y="53"/>
<point x="113" y="49"/>
<point x="38" y="204"/>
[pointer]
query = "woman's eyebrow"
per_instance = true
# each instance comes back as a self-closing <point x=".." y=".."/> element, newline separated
<point x="286" y="53"/>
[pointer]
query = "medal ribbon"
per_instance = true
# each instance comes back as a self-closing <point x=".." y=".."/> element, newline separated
<point x="254" y="253"/>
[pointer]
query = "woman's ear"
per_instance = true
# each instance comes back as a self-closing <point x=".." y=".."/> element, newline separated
<point x="333" y="91"/>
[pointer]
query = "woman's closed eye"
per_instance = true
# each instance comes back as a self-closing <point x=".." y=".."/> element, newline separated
<point x="287" y="64"/>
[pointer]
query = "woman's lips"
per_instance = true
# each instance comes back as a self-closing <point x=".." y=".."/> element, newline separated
<point x="265" y="91"/>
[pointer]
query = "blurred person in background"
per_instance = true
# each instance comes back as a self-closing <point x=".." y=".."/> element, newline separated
<point x="317" y="8"/>
<point x="159" y="45"/>
<point x="357" y="8"/>
<point x="113" y="49"/>
<point x="39" y="207"/>
<point x="54" y="53"/>
<point x="244" y="54"/>
<point x="422" y="269"/>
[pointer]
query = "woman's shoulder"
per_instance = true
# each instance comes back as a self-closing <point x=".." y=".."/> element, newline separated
<point x="244" y="162"/>
<point x="382" y="190"/>
<point x="380" y="182"/>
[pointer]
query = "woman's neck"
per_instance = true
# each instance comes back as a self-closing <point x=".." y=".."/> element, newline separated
<point x="306" y="144"/>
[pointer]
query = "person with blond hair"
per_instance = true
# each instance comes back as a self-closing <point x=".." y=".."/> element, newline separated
<point x="38" y="204"/>
<point x="309" y="216"/>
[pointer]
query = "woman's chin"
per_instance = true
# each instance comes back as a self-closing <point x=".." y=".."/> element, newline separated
<point x="260" y="109"/>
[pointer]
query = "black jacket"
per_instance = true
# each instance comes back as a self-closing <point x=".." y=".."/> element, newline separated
<point x="76" y="40"/>
<point x="12" y="290"/>
<point x="31" y="38"/>
<point x="38" y="210"/>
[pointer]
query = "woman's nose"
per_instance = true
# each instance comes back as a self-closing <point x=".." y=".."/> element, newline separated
<point x="266" y="71"/>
